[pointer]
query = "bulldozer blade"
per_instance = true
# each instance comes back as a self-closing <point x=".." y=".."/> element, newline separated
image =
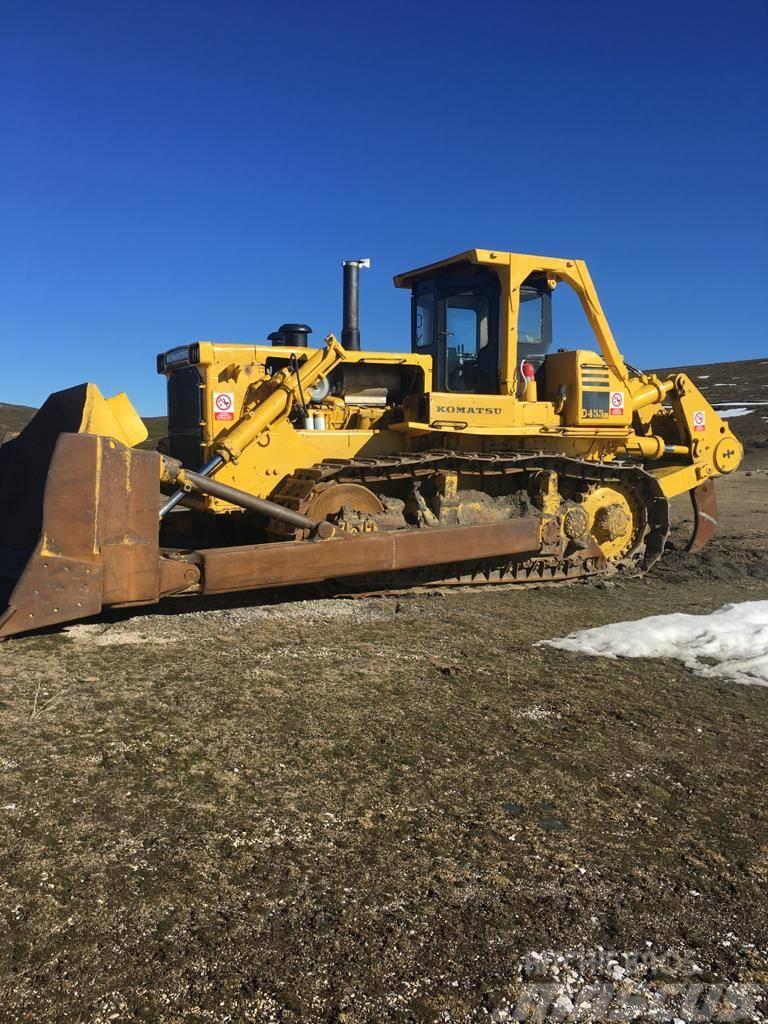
<point x="78" y="522"/>
<point x="24" y="462"/>
<point x="704" y="501"/>
<point x="25" y="459"/>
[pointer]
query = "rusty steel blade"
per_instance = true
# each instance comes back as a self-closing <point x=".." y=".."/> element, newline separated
<point x="704" y="501"/>
<point x="84" y="532"/>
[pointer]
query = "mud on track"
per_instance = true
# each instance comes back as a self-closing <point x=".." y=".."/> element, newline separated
<point x="380" y="809"/>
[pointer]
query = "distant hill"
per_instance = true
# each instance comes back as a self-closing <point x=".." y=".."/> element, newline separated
<point x="741" y="386"/>
<point x="157" y="427"/>
<point x="744" y="380"/>
<point x="13" y="418"/>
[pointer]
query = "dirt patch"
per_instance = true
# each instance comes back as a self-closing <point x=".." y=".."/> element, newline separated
<point x="174" y="625"/>
<point x="386" y="809"/>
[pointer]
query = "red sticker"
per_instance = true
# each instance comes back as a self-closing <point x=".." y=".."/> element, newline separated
<point x="617" y="403"/>
<point x="699" y="420"/>
<point x="223" y="405"/>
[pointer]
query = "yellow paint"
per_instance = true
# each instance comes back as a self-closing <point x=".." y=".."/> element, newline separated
<point x="591" y="407"/>
<point x="549" y="494"/>
<point x="603" y="501"/>
<point x="112" y="417"/>
<point x="270" y="401"/>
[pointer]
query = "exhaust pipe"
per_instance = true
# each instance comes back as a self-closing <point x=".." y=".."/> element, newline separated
<point x="350" y="331"/>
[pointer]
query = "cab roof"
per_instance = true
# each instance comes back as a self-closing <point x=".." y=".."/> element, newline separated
<point x="483" y="257"/>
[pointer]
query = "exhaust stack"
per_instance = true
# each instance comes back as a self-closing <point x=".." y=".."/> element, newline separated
<point x="350" y="332"/>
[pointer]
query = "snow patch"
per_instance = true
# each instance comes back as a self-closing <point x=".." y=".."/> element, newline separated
<point x="730" y="414"/>
<point x="730" y="643"/>
<point x="745" y="402"/>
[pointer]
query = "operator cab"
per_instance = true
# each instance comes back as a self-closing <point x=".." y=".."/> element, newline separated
<point x="456" y="319"/>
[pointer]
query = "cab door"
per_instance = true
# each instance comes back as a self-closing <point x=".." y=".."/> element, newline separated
<point x="463" y="324"/>
<point x="456" y="321"/>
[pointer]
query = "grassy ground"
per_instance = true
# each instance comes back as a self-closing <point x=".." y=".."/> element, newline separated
<point x="389" y="809"/>
<point x="378" y="809"/>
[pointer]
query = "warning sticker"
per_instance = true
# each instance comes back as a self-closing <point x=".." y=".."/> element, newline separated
<point x="223" y="405"/>
<point x="699" y="420"/>
<point x="617" y="403"/>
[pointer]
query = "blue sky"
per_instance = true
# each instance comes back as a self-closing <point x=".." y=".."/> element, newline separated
<point x="174" y="171"/>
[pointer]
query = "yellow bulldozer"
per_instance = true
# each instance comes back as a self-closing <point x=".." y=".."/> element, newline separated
<point x="482" y="456"/>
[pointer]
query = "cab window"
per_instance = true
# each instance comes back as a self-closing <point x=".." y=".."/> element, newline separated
<point x="466" y="329"/>
<point x="534" y="323"/>
<point x="455" y="321"/>
<point x="424" y="322"/>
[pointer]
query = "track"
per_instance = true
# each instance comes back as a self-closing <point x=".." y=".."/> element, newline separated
<point x="514" y="475"/>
